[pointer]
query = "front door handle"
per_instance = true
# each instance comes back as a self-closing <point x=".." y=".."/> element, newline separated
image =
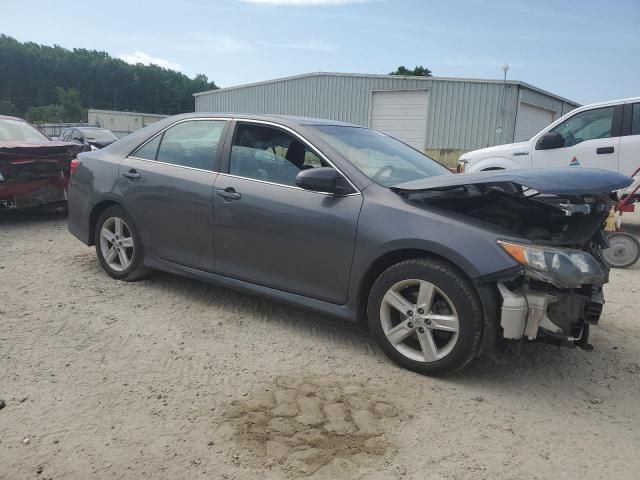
<point x="603" y="150"/>
<point x="132" y="174"/>
<point x="228" y="194"/>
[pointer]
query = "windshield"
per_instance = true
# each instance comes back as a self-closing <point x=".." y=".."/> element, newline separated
<point x="98" y="134"/>
<point x="383" y="159"/>
<point x="19" y="131"/>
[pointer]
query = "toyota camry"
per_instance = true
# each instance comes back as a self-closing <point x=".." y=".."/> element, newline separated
<point x="349" y="222"/>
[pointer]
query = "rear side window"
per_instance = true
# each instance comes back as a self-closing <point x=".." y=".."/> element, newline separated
<point x="191" y="144"/>
<point x="149" y="150"/>
<point x="587" y="125"/>
<point x="635" y="119"/>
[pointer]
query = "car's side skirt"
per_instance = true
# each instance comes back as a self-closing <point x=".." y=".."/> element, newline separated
<point x="343" y="312"/>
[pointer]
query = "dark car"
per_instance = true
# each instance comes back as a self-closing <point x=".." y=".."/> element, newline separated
<point x="352" y="223"/>
<point x="93" y="138"/>
<point x="34" y="170"/>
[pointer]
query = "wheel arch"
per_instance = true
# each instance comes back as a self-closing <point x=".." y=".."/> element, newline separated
<point x="96" y="211"/>
<point x="495" y="163"/>
<point x="388" y="259"/>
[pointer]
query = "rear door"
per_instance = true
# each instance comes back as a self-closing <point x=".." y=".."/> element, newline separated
<point x="168" y="187"/>
<point x="591" y="139"/>
<point x="270" y="232"/>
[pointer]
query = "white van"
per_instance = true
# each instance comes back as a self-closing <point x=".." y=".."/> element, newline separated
<point x="601" y="135"/>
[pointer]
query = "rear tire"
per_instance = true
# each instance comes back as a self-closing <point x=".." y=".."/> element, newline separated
<point x="426" y="316"/>
<point x="118" y="245"/>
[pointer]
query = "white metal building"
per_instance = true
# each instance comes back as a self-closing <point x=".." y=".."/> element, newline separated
<point x="442" y="116"/>
<point x="121" y="123"/>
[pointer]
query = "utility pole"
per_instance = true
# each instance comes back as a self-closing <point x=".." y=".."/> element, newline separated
<point x="500" y="127"/>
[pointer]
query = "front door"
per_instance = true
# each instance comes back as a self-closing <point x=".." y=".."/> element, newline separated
<point x="168" y="186"/>
<point x="590" y="138"/>
<point x="270" y="232"/>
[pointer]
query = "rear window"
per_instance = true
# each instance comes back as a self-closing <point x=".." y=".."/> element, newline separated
<point x="19" y="131"/>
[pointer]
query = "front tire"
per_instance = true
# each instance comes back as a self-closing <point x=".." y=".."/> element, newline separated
<point x="426" y="316"/>
<point x="118" y="245"/>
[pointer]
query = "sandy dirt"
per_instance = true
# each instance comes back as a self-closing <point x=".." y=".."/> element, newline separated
<point x="171" y="378"/>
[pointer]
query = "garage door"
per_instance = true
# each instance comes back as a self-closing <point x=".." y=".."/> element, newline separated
<point x="401" y="114"/>
<point x="531" y="120"/>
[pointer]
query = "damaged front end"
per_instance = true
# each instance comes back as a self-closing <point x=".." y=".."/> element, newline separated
<point x="552" y="227"/>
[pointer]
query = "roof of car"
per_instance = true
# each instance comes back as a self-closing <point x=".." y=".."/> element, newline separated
<point x="281" y="119"/>
<point x="9" y="117"/>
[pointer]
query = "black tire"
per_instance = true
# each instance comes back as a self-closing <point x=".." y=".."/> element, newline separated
<point x="136" y="269"/>
<point x="460" y="292"/>
<point x="623" y="251"/>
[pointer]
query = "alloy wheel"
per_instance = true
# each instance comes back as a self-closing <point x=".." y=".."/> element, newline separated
<point x="116" y="243"/>
<point x="419" y="320"/>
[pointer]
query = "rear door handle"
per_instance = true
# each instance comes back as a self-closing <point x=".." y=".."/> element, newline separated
<point x="228" y="193"/>
<point x="131" y="174"/>
<point x="602" y="150"/>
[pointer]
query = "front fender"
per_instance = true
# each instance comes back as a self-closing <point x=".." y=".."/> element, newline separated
<point x="498" y="163"/>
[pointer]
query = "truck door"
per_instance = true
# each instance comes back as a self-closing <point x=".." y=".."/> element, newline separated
<point x="591" y="139"/>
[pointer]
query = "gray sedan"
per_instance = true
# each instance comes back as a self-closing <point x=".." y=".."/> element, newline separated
<point x="352" y="223"/>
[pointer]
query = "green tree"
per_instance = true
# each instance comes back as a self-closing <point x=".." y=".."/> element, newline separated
<point x="418" y="71"/>
<point x="30" y="73"/>
<point x="69" y="101"/>
<point x="45" y="114"/>
<point x="8" y="108"/>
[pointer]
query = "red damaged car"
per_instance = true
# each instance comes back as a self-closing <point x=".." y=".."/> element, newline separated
<point x="34" y="170"/>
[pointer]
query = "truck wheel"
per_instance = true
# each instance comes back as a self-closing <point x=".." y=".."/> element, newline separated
<point x="118" y="245"/>
<point x="426" y="316"/>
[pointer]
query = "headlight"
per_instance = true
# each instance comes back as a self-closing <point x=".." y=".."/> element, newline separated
<point x="93" y="147"/>
<point x="562" y="267"/>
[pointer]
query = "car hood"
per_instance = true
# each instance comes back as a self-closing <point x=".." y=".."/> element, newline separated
<point x="521" y="148"/>
<point x="552" y="181"/>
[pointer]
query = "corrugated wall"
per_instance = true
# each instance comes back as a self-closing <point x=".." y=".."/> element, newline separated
<point x="336" y="97"/>
<point x="466" y="115"/>
<point x="462" y="114"/>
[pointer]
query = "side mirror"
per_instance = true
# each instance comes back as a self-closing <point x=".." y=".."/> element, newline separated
<point x="321" y="179"/>
<point x="550" y="140"/>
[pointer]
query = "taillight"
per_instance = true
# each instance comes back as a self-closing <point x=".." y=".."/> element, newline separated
<point x="75" y="163"/>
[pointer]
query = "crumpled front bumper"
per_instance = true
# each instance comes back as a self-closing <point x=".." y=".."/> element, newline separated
<point x="538" y="311"/>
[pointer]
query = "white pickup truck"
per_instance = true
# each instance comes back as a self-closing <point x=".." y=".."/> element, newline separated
<point x="601" y="135"/>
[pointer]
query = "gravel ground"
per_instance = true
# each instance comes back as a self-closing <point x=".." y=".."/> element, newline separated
<point x="171" y="378"/>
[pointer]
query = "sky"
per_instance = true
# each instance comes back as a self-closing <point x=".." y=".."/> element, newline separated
<point x="586" y="50"/>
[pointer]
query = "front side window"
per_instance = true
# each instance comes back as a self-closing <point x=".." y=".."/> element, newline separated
<point x="269" y="154"/>
<point x="383" y="159"/>
<point x="635" y="119"/>
<point x="76" y="136"/>
<point x="588" y="125"/>
<point x="188" y="144"/>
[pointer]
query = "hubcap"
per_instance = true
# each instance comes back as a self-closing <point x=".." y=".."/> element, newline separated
<point x="427" y="335"/>
<point x="622" y="250"/>
<point x="116" y="243"/>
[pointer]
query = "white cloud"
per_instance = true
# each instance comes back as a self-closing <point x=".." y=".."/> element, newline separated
<point x="146" y="59"/>
<point x="303" y="3"/>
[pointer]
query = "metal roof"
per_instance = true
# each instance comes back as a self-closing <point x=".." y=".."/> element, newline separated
<point x="411" y="77"/>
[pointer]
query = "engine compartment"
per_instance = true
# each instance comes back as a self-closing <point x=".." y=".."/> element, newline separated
<point x="568" y="221"/>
